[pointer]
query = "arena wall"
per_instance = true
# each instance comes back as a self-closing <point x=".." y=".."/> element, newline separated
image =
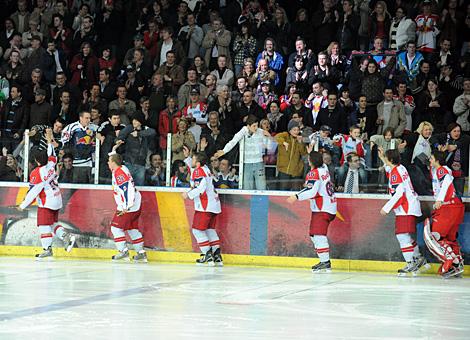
<point x="261" y="225"/>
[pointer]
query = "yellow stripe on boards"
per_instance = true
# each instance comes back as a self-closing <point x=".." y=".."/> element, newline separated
<point x="21" y="195"/>
<point x="229" y="259"/>
<point x="174" y="222"/>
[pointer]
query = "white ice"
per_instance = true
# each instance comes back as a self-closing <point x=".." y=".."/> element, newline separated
<point x="104" y="300"/>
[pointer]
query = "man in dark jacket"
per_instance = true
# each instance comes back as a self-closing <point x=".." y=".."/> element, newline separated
<point x="333" y="115"/>
<point x="14" y="119"/>
<point x="138" y="141"/>
<point x="40" y="113"/>
<point x="248" y="107"/>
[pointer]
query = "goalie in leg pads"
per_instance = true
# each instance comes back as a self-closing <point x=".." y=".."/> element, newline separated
<point x="448" y="214"/>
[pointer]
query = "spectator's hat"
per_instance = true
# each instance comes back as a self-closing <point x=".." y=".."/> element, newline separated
<point x="427" y="2"/>
<point x="130" y="68"/>
<point x="195" y="90"/>
<point x="266" y="82"/>
<point x="292" y="124"/>
<point x="40" y="92"/>
<point x="138" y="36"/>
<point x="325" y="128"/>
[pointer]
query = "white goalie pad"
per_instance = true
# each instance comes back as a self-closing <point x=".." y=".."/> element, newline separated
<point x="441" y="250"/>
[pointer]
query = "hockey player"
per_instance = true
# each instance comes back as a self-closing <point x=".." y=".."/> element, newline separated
<point x="448" y="214"/>
<point x="126" y="217"/>
<point x="207" y="207"/>
<point x="406" y="206"/>
<point x="44" y="188"/>
<point x="319" y="190"/>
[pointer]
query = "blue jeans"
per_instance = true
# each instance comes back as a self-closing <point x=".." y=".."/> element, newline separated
<point x="254" y="176"/>
<point x="137" y="172"/>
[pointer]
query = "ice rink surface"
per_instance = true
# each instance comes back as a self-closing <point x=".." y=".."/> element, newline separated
<point x="103" y="300"/>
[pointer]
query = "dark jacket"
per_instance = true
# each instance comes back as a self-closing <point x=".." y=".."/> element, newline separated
<point x="137" y="148"/>
<point x="20" y="114"/>
<point x="336" y="119"/>
<point x="40" y="114"/>
<point x="462" y="148"/>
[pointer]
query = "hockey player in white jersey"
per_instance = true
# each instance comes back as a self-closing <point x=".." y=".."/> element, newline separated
<point x="406" y="206"/>
<point x="44" y="189"/>
<point x="319" y="190"/>
<point x="126" y="217"/>
<point x="207" y="207"/>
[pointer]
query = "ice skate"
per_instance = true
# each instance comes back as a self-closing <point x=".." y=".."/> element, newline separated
<point x="455" y="271"/>
<point x="140" y="257"/>
<point x="218" y="262"/>
<point x="322" y="267"/>
<point x="69" y="241"/>
<point x="122" y="255"/>
<point x="47" y="253"/>
<point x="410" y="268"/>
<point x="206" y="259"/>
<point x="421" y="265"/>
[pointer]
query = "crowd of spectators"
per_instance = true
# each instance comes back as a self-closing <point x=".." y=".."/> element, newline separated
<point x="282" y="76"/>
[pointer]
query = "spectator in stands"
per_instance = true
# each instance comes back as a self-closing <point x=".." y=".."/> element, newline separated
<point x="226" y="177"/>
<point x="84" y="67"/>
<point x="251" y="75"/>
<point x="325" y="25"/>
<point x="196" y="108"/>
<point x="85" y="33"/>
<point x="61" y="84"/>
<point x="191" y="37"/>
<point x="54" y="61"/>
<point x="143" y="66"/>
<point x="409" y="62"/>
<point x="21" y="16"/>
<point x="14" y="119"/>
<point x="391" y="113"/>
<point x="180" y="175"/>
<point x="28" y="35"/>
<point x="315" y="102"/>
<point x="215" y="134"/>
<point x="455" y="145"/>
<point x="38" y="135"/>
<point x="173" y="74"/>
<point x="298" y="75"/>
<point x="151" y="37"/>
<point x="353" y="179"/>
<point x="265" y="95"/>
<point x="138" y="46"/>
<point x="33" y="84"/>
<point x="461" y="107"/>
<point x="166" y="44"/>
<point x="125" y="106"/>
<point x="278" y="121"/>
<point x="135" y="84"/>
<point x="61" y="34"/>
<point x="402" y="30"/>
<point x="254" y="175"/>
<point x="355" y="76"/>
<point x="290" y="164"/>
<point x="348" y="26"/>
<point x="223" y="75"/>
<point x="109" y="24"/>
<point x="92" y="98"/>
<point x="41" y="110"/>
<point x="427" y="28"/>
<point x="247" y="107"/>
<point x="8" y="168"/>
<point x="365" y="116"/>
<point x="432" y="106"/>
<point x="224" y="106"/>
<point x="65" y="110"/>
<point x="337" y="61"/>
<point x="13" y="69"/>
<point x="379" y="23"/>
<point x="66" y="169"/>
<point x="244" y="47"/>
<point x="7" y="33"/>
<point x="181" y="139"/>
<point x="217" y="42"/>
<point x="155" y="173"/>
<point x="185" y="89"/>
<point x="107" y="88"/>
<point x="348" y="105"/>
<point x="201" y="68"/>
<point x="333" y="115"/>
<point x="296" y="107"/>
<point x="408" y="103"/>
<point x="138" y="141"/>
<point x="373" y="83"/>
<point x="274" y="60"/>
<point x="80" y="138"/>
<point x="349" y="144"/>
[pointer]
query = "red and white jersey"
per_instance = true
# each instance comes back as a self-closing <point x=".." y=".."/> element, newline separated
<point x="198" y="112"/>
<point x="319" y="190"/>
<point x="43" y="185"/>
<point x="348" y="145"/>
<point x="125" y="193"/>
<point x="427" y="31"/>
<point x="404" y="201"/>
<point x="317" y="103"/>
<point x="203" y="192"/>
<point x="443" y="186"/>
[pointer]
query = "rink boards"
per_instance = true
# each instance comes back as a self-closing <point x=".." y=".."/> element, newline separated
<point x="258" y="228"/>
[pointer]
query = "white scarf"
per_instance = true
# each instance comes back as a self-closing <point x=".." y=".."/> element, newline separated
<point x="422" y="146"/>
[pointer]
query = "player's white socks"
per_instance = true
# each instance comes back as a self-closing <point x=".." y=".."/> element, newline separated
<point x="202" y="240"/>
<point x="46" y="236"/>
<point x="406" y="245"/>
<point x="137" y="239"/>
<point x="119" y="238"/>
<point x="213" y="239"/>
<point x="59" y="231"/>
<point x="321" y="247"/>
